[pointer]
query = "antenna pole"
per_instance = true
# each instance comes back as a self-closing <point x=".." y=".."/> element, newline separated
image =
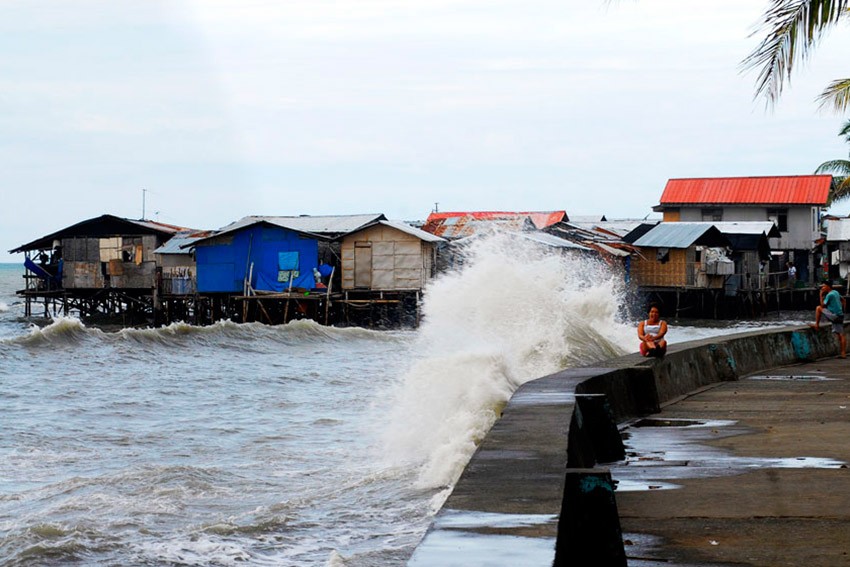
<point x="144" y="191"/>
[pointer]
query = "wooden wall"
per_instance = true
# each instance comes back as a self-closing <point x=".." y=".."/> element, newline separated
<point x="680" y="270"/>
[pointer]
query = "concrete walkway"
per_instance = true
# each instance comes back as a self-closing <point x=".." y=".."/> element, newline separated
<point x="756" y="476"/>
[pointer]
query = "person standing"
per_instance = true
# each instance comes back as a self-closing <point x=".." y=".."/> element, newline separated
<point x="831" y="308"/>
<point x="651" y="334"/>
<point x="792" y="274"/>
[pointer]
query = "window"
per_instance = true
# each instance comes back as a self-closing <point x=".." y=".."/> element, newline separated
<point x="779" y="218"/>
<point x="712" y="215"/>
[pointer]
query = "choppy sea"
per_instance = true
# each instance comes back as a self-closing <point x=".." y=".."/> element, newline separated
<point x="290" y="445"/>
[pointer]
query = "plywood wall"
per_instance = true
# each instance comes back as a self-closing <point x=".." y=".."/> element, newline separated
<point x="399" y="261"/>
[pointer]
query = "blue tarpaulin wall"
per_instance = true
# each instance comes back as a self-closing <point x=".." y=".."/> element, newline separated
<point x="279" y="255"/>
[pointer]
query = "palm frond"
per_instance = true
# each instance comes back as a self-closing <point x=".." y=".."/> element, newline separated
<point x="839" y="166"/>
<point x="845" y="131"/>
<point x="837" y="97"/>
<point x="793" y="27"/>
<point x="839" y="191"/>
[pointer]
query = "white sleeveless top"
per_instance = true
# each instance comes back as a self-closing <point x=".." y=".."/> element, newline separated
<point x="651" y="329"/>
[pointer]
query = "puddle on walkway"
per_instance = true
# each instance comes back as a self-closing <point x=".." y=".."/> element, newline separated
<point x="450" y="544"/>
<point x="792" y="378"/>
<point x="660" y="451"/>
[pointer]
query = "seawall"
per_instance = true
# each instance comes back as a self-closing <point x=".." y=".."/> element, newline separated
<point x="533" y="493"/>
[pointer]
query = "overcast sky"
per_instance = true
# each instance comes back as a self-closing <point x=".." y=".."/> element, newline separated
<point x="221" y="109"/>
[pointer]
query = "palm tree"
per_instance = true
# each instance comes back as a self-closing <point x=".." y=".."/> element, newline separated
<point x="794" y="28"/>
<point x="840" y="183"/>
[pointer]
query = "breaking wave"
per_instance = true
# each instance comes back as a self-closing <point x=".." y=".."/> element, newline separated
<point x="69" y="330"/>
<point x="513" y="313"/>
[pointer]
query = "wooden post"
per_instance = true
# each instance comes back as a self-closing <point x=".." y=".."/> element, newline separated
<point x="328" y="296"/>
<point x="263" y="309"/>
<point x="288" y="295"/>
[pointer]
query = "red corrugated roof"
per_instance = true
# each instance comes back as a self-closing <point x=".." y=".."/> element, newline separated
<point x="541" y="219"/>
<point x="785" y="190"/>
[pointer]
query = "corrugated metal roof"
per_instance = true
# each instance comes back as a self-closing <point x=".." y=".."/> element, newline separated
<point x="102" y="226"/>
<point x="453" y="228"/>
<point x="418" y="233"/>
<point x="680" y="235"/>
<point x="618" y="228"/>
<point x="326" y="225"/>
<point x="587" y="219"/>
<point x="551" y="240"/>
<point x="611" y="250"/>
<point x="748" y="227"/>
<point x="541" y="219"/>
<point x="156" y="225"/>
<point x="778" y="190"/>
<point x="838" y="230"/>
<point x="181" y="243"/>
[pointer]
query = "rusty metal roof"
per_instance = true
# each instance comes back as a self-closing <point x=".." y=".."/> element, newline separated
<point x="456" y="225"/>
<point x="541" y="219"/>
<point x="775" y="190"/>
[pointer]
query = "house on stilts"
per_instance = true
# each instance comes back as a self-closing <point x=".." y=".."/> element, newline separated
<point x="103" y="267"/>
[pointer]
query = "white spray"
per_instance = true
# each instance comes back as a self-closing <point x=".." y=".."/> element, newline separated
<point x="514" y="312"/>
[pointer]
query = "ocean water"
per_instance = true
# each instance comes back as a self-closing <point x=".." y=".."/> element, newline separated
<point x="289" y="445"/>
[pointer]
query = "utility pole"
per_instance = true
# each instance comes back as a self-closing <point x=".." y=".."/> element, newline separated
<point x="144" y="191"/>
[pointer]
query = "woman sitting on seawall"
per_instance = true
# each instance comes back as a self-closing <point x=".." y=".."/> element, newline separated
<point x="651" y="334"/>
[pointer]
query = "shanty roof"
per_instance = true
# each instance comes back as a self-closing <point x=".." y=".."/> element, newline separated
<point x="181" y="243"/>
<point x="682" y="235"/>
<point x="462" y="224"/>
<point x="611" y="250"/>
<point x="617" y="228"/>
<point x="454" y="228"/>
<point x="551" y="240"/>
<point x="101" y="227"/>
<point x="774" y="190"/>
<point x="586" y="219"/>
<point x="325" y="225"/>
<point x="749" y="227"/>
<point x="838" y="230"/>
<point x="404" y="227"/>
<point x="633" y="235"/>
<point x="541" y="219"/>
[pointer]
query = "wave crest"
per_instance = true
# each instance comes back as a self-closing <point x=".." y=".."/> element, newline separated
<point x="63" y="330"/>
<point x="513" y="313"/>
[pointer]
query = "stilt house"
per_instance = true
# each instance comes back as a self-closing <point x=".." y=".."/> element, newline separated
<point x="102" y="252"/>
<point x="388" y="256"/>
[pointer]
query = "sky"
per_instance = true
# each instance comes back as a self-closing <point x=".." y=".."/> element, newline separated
<point x="199" y="112"/>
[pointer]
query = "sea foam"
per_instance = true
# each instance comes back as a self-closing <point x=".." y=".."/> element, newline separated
<point x="512" y="313"/>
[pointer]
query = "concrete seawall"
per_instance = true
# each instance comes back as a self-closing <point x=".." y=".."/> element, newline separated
<point x="532" y="494"/>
